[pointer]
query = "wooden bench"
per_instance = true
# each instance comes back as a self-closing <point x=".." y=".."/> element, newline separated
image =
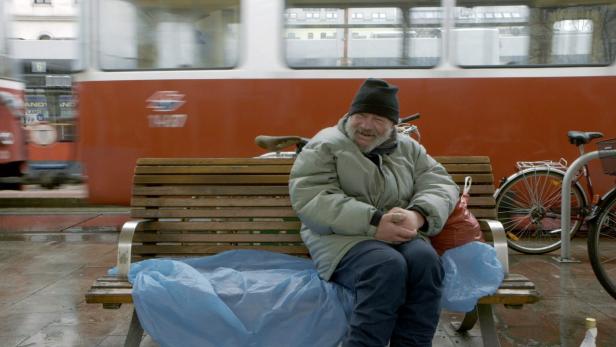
<point x="195" y="207"/>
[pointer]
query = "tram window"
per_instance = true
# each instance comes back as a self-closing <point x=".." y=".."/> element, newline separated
<point x="168" y="34"/>
<point x="53" y="106"/>
<point x="353" y="36"/>
<point x="8" y="66"/>
<point x="572" y="41"/>
<point x="3" y="46"/>
<point x="577" y="33"/>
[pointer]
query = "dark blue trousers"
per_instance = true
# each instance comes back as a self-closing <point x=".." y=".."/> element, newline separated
<point x="397" y="293"/>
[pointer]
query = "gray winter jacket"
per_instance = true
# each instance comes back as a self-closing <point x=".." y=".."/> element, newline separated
<point x="335" y="190"/>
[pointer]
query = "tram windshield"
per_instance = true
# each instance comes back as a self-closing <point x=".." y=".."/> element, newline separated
<point x="168" y="34"/>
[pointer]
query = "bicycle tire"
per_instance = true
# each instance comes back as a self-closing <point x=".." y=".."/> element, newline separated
<point x="528" y="205"/>
<point x="602" y="244"/>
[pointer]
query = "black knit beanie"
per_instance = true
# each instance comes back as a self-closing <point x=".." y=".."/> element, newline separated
<point x="377" y="97"/>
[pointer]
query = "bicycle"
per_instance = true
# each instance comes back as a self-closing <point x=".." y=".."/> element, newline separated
<point x="275" y="144"/>
<point x="528" y="205"/>
<point x="602" y="237"/>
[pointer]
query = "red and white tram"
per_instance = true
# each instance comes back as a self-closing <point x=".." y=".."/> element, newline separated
<point x="13" y="152"/>
<point x="202" y="78"/>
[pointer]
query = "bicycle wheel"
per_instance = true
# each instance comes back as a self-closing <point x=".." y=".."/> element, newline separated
<point x="602" y="245"/>
<point x="529" y="205"/>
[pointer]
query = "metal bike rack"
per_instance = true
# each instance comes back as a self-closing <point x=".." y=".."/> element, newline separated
<point x="565" y="206"/>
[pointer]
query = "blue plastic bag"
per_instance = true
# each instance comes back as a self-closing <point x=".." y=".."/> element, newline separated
<point x="471" y="272"/>
<point x="239" y="298"/>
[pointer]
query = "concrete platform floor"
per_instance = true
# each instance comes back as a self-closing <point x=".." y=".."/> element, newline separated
<point x="43" y="283"/>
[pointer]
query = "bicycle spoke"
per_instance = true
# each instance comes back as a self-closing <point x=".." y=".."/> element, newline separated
<point x="608" y="260"/>
<point x="530" y="189"/>
<point x="512" y="224"/>
<point x="540" y="191"/>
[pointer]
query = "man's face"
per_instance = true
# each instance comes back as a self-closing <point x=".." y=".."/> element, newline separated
<point x="368" y="130"/>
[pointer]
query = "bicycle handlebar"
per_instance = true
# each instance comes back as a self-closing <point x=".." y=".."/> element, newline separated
<point x="277" y="143"/>
<point x="410" y="118"/>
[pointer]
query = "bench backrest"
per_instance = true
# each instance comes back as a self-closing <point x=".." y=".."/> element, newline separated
<point x="206" y="206"/>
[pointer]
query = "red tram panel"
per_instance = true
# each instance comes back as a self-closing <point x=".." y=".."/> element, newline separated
<point x="504" y="118"/>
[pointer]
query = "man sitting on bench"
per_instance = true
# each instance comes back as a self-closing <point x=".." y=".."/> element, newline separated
<point x="366" y="197"/>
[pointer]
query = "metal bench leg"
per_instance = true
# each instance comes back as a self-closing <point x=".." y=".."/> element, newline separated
<point x="135" y="332"/>
<point x="470" y="318"/>
<point x="488" y="326"/>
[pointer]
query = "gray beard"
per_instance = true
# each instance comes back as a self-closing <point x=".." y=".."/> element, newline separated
<point x="379" y="140"/>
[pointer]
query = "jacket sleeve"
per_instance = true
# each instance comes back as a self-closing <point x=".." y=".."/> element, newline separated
<point x="435" y="193"/>
<point x="318" y="199"/>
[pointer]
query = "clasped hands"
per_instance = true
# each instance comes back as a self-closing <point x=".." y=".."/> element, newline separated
<point x="399" y="225"/>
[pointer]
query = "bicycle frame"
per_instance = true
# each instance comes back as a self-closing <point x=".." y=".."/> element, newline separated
<point x="586" y="174"/>
<point x="578" y="164"/>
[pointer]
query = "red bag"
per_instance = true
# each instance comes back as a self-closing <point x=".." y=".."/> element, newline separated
<point x="461" y="226"/>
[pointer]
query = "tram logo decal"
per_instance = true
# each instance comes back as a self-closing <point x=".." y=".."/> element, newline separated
<point x="167" y="120"/>
<point x="165" y="101"/>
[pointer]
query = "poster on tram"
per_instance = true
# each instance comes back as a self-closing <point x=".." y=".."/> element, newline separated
<point x="66" y="105"/>
<point x="36" y="110"/>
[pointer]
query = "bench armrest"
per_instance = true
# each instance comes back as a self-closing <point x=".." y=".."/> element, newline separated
<point x="125" y="244"/>
<point x="499" y="240"/>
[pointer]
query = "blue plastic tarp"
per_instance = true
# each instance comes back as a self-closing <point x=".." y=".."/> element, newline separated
<point x="239" y="298"/>
<point x="255" y="298"/>
<point x="471" y="272"/>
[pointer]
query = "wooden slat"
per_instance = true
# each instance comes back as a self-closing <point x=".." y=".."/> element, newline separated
<point x="212" y="169"/>
<point x="214" y="212"/>
<point x="483" y="213"/>
<point x="481" y="201"/>
<point x="477" y="178"/>
<point x="213" y="249"/>
<point x="203" y="190"/>
<point x="517" y="285"/>
<point x="480" y="189"/>
<point x="211" y="202"/>
<point x="213" y="161"/>
<point x="109" y="296"/>
<point x="462" y="159"/>
<point x="195" y="190"/>
<point x="111" y="284"/>
<point x="203" y="237"/>
<point x="278" y="161"/>
<point x="516" y="277"/>
<point x="111" y="278"/>
<point x="228" y="225"/>
<point x="511" y="297"/>
<point x="211" y="179"/>
<point x="468" y="168"/>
